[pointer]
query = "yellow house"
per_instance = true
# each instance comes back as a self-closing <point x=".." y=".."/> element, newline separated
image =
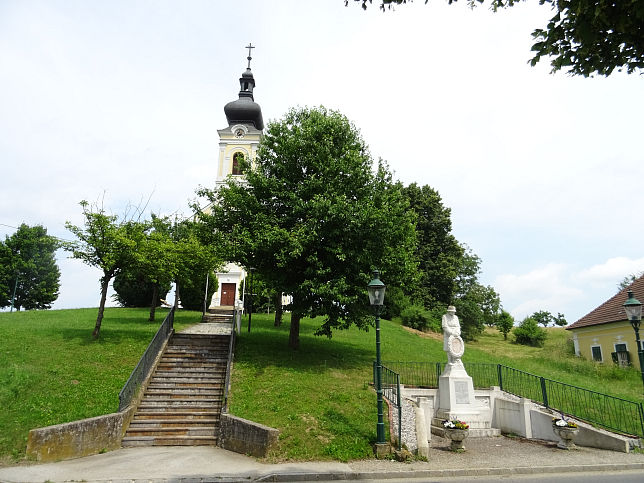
<point x="605" y="334"/>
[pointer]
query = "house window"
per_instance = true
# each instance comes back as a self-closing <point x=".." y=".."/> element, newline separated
<point x="596" y="351"/>
<point x="238" y="158"/>
<point x="620" y="348"/>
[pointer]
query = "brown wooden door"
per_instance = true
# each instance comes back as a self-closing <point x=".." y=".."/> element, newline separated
<point x="228" y="294"/>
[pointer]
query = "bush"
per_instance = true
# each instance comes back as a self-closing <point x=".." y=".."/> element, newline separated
<point x="415" y="316"/>
<point x="395" y="302"/>
<point x="133" y="291"/>
<point x="191" y="291"/>
<point x="529" y="333"/>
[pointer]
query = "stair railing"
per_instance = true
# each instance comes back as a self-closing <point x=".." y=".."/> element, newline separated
<point x="229" y="364"/>
<point x="146" y="363"/>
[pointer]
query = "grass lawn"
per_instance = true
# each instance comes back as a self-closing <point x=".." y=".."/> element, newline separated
<point x="53" y="371"/>
<point x="319" y="398"/>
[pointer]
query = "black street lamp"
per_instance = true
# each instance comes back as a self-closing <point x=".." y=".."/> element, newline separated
<point x="633" y="308"/>
<point x="250" y="298"/>
<point x="376" y="291"/>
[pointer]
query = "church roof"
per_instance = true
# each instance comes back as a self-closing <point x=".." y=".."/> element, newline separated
<point x="613" y="309"/>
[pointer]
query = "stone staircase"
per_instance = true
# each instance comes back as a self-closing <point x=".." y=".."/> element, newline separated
<point x="182" y="403"/>
<point x="219" y="315"/>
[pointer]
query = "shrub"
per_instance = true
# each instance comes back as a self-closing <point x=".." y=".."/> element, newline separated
<point x="191" y="291"/>
<point x="133" y="291"/>
<point x="529" y="333"/>
<point x="416" y="317"/>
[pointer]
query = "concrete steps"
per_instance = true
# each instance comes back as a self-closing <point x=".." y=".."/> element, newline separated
<point x="182" y="403"/>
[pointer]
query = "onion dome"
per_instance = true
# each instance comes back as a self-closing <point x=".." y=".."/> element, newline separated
<point x="245" y="110"/>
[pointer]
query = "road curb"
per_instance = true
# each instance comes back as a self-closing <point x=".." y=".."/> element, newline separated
<point x="446" y="473"/>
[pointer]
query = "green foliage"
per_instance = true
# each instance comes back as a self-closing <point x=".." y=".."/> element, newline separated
<point x="629" y="279"/>
<point x="543" y="317"/>
<point x="395" y="302"/>
<point x="29" y="267"/>
<point x="560" y="320"/>
<point x="52" y="371"/>
<point x="314" y="219"/>
<point x="416" y="317"/>
<point x="529" y="333"/>
<point x="106" y="243"/>
<point x="134" y="290"/>
<point x="504" y="322"/>
<point x="583" y="37"/>
<point x="193" y="290"/>
<point x="438" y="253"/>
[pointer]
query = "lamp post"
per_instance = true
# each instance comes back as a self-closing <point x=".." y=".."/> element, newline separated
<point x="376" y="291"/>
<point x="633" y="308"/>
<point x="250" y="298"/>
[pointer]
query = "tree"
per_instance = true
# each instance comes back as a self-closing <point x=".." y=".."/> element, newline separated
<point x="133" y="290"/>
<point x="529" y="333"/>
<point x="31" y="271"/>
<point x="106" y="243"/>
<point x="314" y="219"/>
<point x="584" y="37"/>
<point x="504" y="323"/>
<point x="438" y="253"/>
<point x="560" y="320"/>
<point x="543" y="317"/>
<point x="629" y="279"/>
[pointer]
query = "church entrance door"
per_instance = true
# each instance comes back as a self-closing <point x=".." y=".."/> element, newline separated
<point x="228" y="293"/>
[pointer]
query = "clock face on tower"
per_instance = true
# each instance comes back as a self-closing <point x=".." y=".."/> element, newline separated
<point x="239" y="133"/>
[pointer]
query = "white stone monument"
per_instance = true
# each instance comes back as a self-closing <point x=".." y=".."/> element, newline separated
<point x="455" y="388"/>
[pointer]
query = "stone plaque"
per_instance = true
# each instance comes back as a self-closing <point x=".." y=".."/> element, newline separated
<point x="460" y="391"/>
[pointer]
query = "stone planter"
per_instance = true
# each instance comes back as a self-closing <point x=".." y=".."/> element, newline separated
<point x="566" y="436"/>
<point x="456" y="436"/>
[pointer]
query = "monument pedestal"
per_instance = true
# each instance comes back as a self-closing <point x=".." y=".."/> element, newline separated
<point x="457" y="401"/>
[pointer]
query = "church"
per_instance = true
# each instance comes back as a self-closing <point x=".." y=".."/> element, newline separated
<point x="239" y="141"/>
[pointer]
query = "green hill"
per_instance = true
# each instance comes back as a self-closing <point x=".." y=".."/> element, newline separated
<point x="52" y="371"/>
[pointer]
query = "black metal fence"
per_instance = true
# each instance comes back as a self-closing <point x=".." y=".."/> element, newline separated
<point x="146" y="362"/>
<point x="603" y="410"/>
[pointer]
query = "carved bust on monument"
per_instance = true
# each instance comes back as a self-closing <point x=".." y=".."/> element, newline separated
<point x="452" y="342"/>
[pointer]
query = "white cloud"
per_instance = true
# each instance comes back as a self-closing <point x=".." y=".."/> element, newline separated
<point x="613" y="269"/>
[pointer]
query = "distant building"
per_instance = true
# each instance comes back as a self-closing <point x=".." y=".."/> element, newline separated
<point x="605" y="334"/>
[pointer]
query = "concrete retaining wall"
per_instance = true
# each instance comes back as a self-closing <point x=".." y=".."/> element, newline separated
<point x="246" y="437"/>
<point x="78" y="438"/>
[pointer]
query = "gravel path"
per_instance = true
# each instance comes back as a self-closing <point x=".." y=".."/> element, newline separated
<point x="211" y="328"/>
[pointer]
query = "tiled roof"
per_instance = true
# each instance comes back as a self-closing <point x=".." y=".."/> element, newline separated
<point x="613" y="309"/>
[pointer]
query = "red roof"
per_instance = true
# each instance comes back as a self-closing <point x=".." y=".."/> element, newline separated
<point x="613" y="309"/>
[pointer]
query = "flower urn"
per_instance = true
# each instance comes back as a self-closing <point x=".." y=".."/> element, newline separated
<point x="456" y="437"/>
<point x="566" y="436"/>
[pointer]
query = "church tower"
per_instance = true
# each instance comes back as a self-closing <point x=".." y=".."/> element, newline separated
<point x="237" y="142"/>
<point x="245" y="124"/>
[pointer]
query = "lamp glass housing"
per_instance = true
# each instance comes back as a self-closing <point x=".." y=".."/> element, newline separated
<point x="376" y="290"/>
<point x="633" y="308"/>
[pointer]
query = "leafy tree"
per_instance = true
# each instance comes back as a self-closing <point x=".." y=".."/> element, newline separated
<point x="438" y="253"/>
<point x="543" y="317"/>
<point x="314" y="219"/>
<point x="6" y="274"/>
<point x="529" y="333"/>
<point x="504" y="322"/>
<point x="106" y="243"/>
<point x="193" y="290"/>
<point x="30" y="255"/>
<point x="560" y="320"/>
<point x="584" y="37"/>
<point x="133" y="290"/>
<point x="629" y="279"/>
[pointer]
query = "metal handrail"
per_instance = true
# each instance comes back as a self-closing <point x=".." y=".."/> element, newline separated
<point x="146" y="363"/>
<point x="229" y="363"/>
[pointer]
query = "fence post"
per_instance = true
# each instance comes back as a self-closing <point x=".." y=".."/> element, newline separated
<point x="374" y="374"/>
<point x="438" y="372"/>
<point x="544" y="393"/>
<point x="642" y="419"/>
<point x="500" y="373"/>
<point x="399" y="413"/>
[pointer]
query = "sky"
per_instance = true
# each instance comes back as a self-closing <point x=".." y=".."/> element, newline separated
<point x="119" y="102"/>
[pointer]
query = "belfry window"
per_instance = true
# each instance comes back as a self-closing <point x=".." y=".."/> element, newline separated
<point x="238" y="159"/>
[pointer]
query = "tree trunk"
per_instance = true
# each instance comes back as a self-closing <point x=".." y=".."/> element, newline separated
<point x="105" y="282"/>
<point x="278" y="309"/>
<point x="155" y="297"/>
<point x="294" y="334"/>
